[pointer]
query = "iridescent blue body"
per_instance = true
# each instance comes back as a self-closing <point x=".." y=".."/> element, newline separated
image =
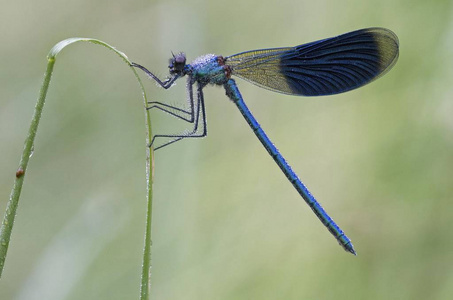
<point x="330" y="66"/>
<point x="207" y="69"/>
<point x="233" y="93"/>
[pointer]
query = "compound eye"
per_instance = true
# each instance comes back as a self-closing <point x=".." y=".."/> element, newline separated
<point x="177" y="63"/>
<point x="180" y="58"/>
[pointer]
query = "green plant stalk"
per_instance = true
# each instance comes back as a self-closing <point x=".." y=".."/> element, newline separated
<point x="11" y="209"/>
<point x="145" y="285"/>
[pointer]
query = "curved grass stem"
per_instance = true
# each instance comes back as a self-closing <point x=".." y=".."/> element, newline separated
<point x="11" y="209"/>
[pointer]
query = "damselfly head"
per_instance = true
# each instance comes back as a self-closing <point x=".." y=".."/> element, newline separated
<point x="177" y="64"/>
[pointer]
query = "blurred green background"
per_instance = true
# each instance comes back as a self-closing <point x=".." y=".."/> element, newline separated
<point x="227" y="224"/>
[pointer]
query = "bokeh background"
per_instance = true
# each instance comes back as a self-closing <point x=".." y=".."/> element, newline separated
<point x="227" y="224"/>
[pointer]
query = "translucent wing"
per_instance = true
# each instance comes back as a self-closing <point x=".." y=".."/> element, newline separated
<point x="330" y="66"/>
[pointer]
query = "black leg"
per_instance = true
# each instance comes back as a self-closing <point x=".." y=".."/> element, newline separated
<point x="193" y="112"/>
<point x="162" y="106"/>
<point x="156" y="103"/>
<point x="166" y="107"/>
<point x="194" y="133"/>
<point x="174" y="114"/>
<point x="165" y="84"/>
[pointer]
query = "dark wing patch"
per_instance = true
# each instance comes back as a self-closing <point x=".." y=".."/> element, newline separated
<point x="330" y="66"/>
